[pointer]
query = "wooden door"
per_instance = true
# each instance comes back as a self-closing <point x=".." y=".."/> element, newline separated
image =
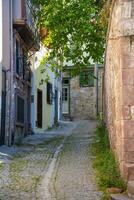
<point x="65" y="99"/>
<point x="56" y="106"/>
<point x="39" y="108"/>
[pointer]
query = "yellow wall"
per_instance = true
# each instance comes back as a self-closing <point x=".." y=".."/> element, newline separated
<point x="47" y="118"/>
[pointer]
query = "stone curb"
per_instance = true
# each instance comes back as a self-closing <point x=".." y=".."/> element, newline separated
<point x="120" y="197"/>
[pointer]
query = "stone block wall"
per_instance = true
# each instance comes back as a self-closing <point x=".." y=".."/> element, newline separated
<point x="119" y="85"/>
<point x="84" y="100"/>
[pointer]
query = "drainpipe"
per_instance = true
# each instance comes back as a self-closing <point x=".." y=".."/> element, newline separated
<point x="11" y="73"/>
<point x="96" y="89"/>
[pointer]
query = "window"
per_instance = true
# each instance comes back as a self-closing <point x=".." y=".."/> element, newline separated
<point x="65" y="81"/>
<point x="65" y="94"/>
<point x="20" y="109"/>
<point x="49" y="93"/>
<point x="17" y="58"/>
<point x="21" y="61"/>
<point x="87" y="78"/>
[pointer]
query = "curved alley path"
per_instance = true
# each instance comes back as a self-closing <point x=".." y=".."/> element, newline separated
<point x="55" y="165"/>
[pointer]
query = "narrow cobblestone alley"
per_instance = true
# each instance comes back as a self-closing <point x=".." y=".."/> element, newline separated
<point x="52" y="166"/>
<point x="73" y="178"/>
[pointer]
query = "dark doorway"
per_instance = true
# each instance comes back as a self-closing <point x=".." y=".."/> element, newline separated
<point x="28" y="110"/>
<point x="56" y="107"/>
<point x="3" y="113"/>
<point x="39" y="108"/>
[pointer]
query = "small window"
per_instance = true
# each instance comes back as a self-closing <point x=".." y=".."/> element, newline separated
<point x="65" y="81"/>
<point x="49" y="93"/>
<point x="17" y="58"/>
<point x="87" y="78"/>
<point x="20" y="109"/>
<point x="65" y="94"/>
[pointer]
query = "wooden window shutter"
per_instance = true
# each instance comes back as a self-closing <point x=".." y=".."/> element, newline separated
<point x="49" y="93"/>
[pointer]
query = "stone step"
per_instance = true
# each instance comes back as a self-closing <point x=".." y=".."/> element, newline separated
<point x="130" y="188"/>
<point x="120" y="197"/>
<point x="129" y="169"/>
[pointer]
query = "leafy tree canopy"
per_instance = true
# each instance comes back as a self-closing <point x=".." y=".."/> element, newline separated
<point x="76" y="32"/>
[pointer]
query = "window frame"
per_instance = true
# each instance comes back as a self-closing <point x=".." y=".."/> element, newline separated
<point x="90" y="81"/>
<point x="21" y="56"/>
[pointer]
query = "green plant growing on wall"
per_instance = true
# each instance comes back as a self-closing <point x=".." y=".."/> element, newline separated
<point x="105" y="164"/>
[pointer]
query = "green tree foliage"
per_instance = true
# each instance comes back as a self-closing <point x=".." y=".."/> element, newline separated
<point x="76" y="32"/>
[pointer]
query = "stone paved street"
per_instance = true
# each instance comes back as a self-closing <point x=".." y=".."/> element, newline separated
<point x="73" y="178"/>
<point x="55" y="165"/>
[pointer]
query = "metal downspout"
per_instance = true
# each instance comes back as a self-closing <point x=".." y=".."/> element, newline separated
<point x="11" y="71"/>
<point x="97" y="90"/>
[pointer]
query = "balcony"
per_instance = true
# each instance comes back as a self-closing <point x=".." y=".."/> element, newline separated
<point x="25" y="23"/>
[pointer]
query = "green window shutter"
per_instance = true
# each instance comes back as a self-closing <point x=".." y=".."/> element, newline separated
<point x="87" y="78"/>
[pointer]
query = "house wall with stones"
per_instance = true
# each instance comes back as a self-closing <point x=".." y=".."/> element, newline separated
<point x="119" y="85"/>
<point x="82" y="100"/>
<point x="86" y="102"/>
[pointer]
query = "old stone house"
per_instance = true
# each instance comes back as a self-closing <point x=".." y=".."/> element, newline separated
<point x="82" y="95"/>
<point x="119" y="86"/>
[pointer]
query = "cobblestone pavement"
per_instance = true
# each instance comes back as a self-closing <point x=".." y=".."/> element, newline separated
<point x="55" y="165"/>
<point x="73" y="177"/>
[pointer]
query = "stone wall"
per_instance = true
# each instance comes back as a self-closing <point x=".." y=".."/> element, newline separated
<point x="119" y="85"/>
<point x="84" y="100"/>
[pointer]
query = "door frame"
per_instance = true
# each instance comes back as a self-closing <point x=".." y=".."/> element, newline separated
<point x="67" y="85"/>
<point x="37" y="124"/>
<point x="56" y="107"/>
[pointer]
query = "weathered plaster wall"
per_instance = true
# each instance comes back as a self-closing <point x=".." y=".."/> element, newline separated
<point x="7" y="59"/>
<point x="119" y="85"/>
